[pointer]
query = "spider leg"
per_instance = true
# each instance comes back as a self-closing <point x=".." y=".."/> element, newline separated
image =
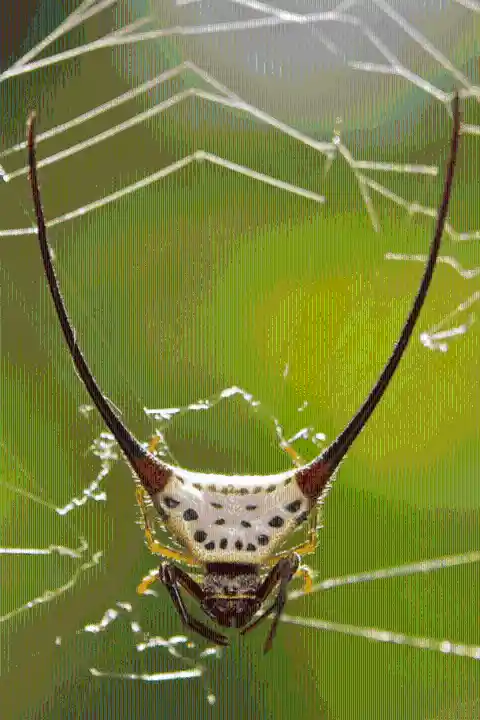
<point x="146" y="582"/>
<point x="285" y="566"/>
<point x="179" y="576"/>
<point x="157" y="549"/>
<point x="152" y="445"/>
<point x="296" y="458"/>
<point x="282" y="573"/>
<point x="173" y="574"/>
<point x="307" y="575"/>
<point x="309" y="546"/>
<point x="172" y="577"/>
<point x="153" y="545"/>
<point x="277" y="608"/>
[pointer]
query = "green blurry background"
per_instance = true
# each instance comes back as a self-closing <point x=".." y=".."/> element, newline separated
<point x="204" y="280"/>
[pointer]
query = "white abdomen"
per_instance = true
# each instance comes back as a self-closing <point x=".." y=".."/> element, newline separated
<point x="235" y="521"/>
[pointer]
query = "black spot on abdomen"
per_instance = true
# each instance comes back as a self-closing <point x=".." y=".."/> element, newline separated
<point x="294" y="506"/>
<point x="302" y="517"/>
<point x="276" y="522"/>
<point x="170" y="502"/>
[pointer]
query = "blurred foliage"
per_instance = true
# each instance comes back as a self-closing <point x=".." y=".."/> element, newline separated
<point x="204" y="280"/>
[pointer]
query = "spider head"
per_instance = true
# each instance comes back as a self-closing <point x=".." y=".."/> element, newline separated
<point x="231" y="593"/>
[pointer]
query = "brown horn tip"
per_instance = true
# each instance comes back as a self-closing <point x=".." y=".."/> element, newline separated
<point x="313" y="479"/>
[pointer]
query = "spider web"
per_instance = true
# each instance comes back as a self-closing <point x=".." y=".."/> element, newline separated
<point x="374" y="180"/>
<point x="435" y="338"/>
<point x="191" y="654"/>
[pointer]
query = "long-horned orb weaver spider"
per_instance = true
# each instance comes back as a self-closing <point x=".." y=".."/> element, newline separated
<point x="230" y="528"/>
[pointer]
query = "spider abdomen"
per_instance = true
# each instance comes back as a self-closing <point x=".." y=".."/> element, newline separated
<point x="233" y="522"/>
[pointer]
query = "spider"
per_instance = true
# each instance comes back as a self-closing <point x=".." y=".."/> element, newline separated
<point x="231" y="531"/>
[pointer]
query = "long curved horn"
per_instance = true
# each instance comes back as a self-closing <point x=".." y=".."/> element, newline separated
<point x="314" y="477"/>
<point x="151" y="472"/>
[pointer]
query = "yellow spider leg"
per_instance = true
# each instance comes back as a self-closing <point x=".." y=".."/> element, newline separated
<point x="146" y="582"/>
<point x="141" y="494"/>
<point x="297" y="460"/>
<point x="153" y="545"/>
<point x="307" y="576"/>
<point x="157" y="549"/>
<point x="309" y="546"/>
<point x="152" y="445"/>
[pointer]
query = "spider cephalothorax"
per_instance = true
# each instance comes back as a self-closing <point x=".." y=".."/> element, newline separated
<point x="230" y="593"/>
<point x="231" y="612"/>
<point x="233" y="531"/>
